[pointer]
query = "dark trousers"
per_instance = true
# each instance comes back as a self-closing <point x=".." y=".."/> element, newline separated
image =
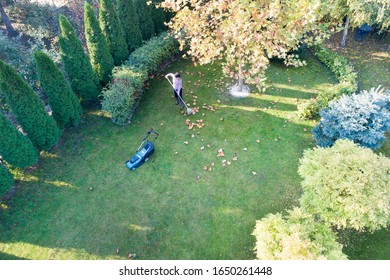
<point x="177" y="97"/>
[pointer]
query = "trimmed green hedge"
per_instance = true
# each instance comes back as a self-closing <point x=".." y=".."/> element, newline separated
<point x="120" y="96"/>
<point x="345" y="74"/>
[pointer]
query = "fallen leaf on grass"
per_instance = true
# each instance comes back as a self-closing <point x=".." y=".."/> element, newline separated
<point x="186" y="142"/>
<point x="235" y="158"/>
<point x="220" y="153"/>
<point x="254" y="173"/>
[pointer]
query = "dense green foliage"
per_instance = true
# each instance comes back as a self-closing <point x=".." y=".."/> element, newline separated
<point x="363" y="118"/>
<point x="83" y="79"/>
<point x="112" y="30"/>
<point x="347" y="186"/>
<point x="146" y="24"/>
<point x="128" y="79"/>
<point x="99" y="52"/>
<point x="62" y="100"/>
<point x="297" y="237"/>
<point x="158" y="17"/>
<point x="130" y="24"/>
<point x="15" y="148"/>
<point x="28" y="109"/>
<point x="6" y="180"/>
<point x="345" y="74"/>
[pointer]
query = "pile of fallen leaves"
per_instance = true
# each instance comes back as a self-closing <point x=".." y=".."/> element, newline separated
<point x="197" y="123"/>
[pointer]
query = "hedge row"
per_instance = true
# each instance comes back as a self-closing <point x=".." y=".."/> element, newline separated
<point x="120" y="95"/>
<point x="345" y="74"/>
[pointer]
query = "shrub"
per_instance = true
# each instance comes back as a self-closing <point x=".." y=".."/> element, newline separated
<point x="297" y="237"/>
<point x="28" y="109"/>
<point x="345" y="74"/>
<point x="346" y="186"/>
<point x="6" y="180"/>
<point x="362" y="118"/>
<point x="99" y="52"/>
<point x="128" y="79"/>
<point x="64" y="103"/>
<point x="83" y="79"/>
<point x="15" y="148"/>
<point x="112" y="30"/>
<point x="145" y="19"/>
<point x="130" y="24"/>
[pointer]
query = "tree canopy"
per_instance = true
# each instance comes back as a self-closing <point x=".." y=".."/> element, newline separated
<point x="245" y="35"/>
<point x="296" y="237"/>
<point x="347" y="186"/>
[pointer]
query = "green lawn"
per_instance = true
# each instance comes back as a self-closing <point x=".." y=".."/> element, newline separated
<point x="83" y="203"/>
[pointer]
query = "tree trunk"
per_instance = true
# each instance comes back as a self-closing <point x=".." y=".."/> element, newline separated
<point x="344" y="40"/>
<point x="11" y="31"/>
<point x="240" y="80"/>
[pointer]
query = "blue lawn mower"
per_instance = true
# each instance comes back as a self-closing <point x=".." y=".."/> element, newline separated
<point x="143" y="152"/>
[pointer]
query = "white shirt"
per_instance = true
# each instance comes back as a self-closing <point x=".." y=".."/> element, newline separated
<point x="177" y="82"/>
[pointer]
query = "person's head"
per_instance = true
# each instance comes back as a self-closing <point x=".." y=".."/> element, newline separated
<point x="177" y="75"/>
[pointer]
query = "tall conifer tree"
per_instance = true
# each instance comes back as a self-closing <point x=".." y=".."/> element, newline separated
<point x="145" y="19"/>
<point x="28" y="109"/>
<point x="63" y="102"/>
<point x="6" y="180"/>
<point x="158" y="17"/>
<point x="130" y="24"/>
<point x="15" y="148"/>
<point x="83" y="79"/>
<point x="101" y="58"/>
<point x="112" y="30"/>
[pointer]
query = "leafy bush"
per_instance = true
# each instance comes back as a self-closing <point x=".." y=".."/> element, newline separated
<point x="362" y="118"/>
<point x="130" y="24"/>
<point x="83" y="79"/>
<point x="128" y="79"/>
<point x="64" y="103"/>
<point x="345" y="74"/>
<point x="346" y="186"/>
<point x="6" y="180"/>
<point x="99" y="52"/>
<point x="112" y="30"/>
<point x="15" y="148"/>
<point x="297" y="237"/>
<point x="28" y="109"/>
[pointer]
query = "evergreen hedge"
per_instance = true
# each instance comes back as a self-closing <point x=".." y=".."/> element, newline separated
<point x="345" y="74"/>
<point x="146" y="24"/>
<point x="28" y="109"/>
<point x="6" y="180"/>
<point x="63" y="102"/>
<point x="99" y="52"/>
<point x="83" y="79"/>
<point x="120" y="96"/>
<point x="15" y="148"/>
<point x="112" y="30"/>
<point x="130" y="24"/>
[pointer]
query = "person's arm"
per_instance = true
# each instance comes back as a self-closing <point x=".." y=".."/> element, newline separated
<point x="170" y="75"/>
